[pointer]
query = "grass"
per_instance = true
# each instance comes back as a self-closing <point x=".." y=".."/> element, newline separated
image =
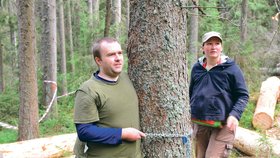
<point x="8" y="136"/>
<point x="53" y="126"/>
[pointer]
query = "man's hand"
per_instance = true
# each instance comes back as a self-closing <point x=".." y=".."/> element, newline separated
<point x="232" y="123"/>
<point x="132" y="134"/>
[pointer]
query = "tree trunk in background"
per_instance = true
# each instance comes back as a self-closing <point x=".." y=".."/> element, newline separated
<point x="108" y="18"/>
<point x="70" y="36"/>
<point x="95" y="10"/>
<point x="90" y="19"/>
<point x="158" y="69"/>
<point x="116" y="18"/>
<point x="13" y="36"/>
<point x="193" y="34"/>
<point x="49" y="52"/>
<point x="76" y="24"/>
<point x="224" y="13"/>
<point x="1" y="69"/>
<point x="127" y="14"/>
<point x="243" y="21"/>
<point x="62" y="48"/>
<point x="28" y="110"/>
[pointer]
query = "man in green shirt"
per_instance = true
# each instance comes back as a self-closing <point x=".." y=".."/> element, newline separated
<point x="106" y="112"/>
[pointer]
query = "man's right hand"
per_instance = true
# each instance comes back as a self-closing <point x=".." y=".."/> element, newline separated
<point x="132" y="134"/>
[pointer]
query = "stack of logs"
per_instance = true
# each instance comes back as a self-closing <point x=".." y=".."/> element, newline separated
<point x="252" y="143"/>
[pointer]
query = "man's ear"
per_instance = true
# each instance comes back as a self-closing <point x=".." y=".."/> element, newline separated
<point x="98" y="61"/>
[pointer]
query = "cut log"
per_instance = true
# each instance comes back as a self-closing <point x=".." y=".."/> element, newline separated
<point x="253" y="144"/>
<point x="264" y="114"/>
<point x="50" y="147"/>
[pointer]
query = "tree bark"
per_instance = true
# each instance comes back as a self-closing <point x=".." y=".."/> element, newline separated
<point x="264" y="114"/>
<point x="62" y="48"/>
<point x="253" y="144"/>
<point x="49" y="52"/>
<point x="108" y="18"/>
<point x="28" y="110"/>
<point x="157" y="67"/>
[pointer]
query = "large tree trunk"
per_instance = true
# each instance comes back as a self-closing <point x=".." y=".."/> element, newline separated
<point x="62" y="48"/>
<point x="264" y="114"/>
<point x="253" y="144"/>
<point x="157" y="67"/>
<point x="116" y="18"/>
<point x="49" y="53"/>
<point x="28" y="110"/>
<point x="193" y="42"/>
<point x="1" y="69"/>
<point x="243" y="21"/>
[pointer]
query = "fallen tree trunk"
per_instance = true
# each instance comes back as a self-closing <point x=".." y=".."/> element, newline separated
<point x="50" y="147"/>
<point x="264" y="114"/>
<point x="253" y="144"/>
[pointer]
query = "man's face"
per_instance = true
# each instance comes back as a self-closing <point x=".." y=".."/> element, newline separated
<point x="212" y="48"/>
<point x="111" y="59"/>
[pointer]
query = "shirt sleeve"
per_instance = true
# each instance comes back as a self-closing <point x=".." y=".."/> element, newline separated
<point x="90" y="132"/>
<point x="240" y="94"/>
<point x="85" y="109"/>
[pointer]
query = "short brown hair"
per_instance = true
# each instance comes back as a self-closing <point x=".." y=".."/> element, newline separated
<point x="96" y="46"/>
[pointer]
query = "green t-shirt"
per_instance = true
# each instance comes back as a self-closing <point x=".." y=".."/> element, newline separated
<point x="109" y="105"/>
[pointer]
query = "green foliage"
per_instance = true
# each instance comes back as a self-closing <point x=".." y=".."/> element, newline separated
<point x="9" y="101"/>
<point x="247" y="116"/>
<point x="57" y="126"/>
<point x="7" y="136"/>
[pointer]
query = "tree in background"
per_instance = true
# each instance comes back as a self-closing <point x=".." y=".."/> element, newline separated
<point x="61" y="33"/>
<point x="95" y="12"/>
<point x="108" y="18"/>
<point x="90" y="14"/>
<point x="157" y="67"/>
<point x="243" y="21"/>
<point x="12" y="25"/>
<point x="1" y="69"/>
<point x="49" y="53"/>
<point x="193" y="40"/>
<point x="116" y="18"/>
<point x="69" y="36"/>
<point x="28" y="112"/>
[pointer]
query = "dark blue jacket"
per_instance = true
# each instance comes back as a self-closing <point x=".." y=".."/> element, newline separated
<point x="217" y="93"/>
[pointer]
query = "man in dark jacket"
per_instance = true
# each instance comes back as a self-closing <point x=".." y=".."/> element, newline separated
<point x="218" y="96"/>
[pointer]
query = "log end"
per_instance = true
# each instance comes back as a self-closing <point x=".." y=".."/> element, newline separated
<point x="262" y="121"/>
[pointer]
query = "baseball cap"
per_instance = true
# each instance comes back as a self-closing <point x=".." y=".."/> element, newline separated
<point x="209" y="35"/>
